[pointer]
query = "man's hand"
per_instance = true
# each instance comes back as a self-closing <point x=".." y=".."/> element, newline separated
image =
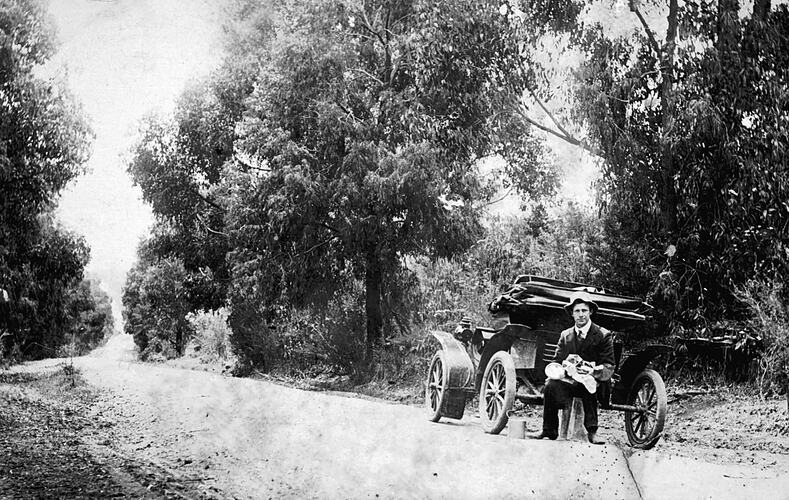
<point x="602" y="372"/>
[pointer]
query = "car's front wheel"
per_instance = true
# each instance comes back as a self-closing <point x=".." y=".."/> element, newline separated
<point x="436" y="386"/>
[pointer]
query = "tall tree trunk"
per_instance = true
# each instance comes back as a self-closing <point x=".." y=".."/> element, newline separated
<point x="179" y="341"/>
<point x="373" y="311"/>
<point x="668" y="171"/>
<point x="761" y="8"/>
<point x="755" y="32"/>
<point x="728" y="31"/>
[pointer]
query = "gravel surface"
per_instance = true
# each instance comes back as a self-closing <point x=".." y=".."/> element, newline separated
<point x="52" y="445"/>
<point x="147" y="431"/>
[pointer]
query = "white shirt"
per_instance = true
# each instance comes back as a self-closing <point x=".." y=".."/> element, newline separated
<point x="583" y="331"/>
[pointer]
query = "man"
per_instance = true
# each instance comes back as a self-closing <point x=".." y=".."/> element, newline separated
<point x="593" y="344"/>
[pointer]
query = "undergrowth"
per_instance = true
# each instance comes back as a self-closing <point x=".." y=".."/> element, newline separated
<point x="65" y="384"/>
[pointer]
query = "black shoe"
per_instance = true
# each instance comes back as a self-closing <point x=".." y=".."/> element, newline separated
<point x="541" y="435"/>
<point x="594" y="439"/>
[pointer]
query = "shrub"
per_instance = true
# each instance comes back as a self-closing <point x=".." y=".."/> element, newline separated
<point x="253" y="339"/>
<point x="769" y="317"/>
<point x="158" y="350"/>
<point x="556" y="246"/>
<point x="339" y="333"/>
<point x="210" y="342"/>
<point x="327" y="336"/>
<point x="12" y="357"/>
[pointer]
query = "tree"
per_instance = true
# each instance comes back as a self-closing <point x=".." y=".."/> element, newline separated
<point x="730" y="171"/>
<point x="178" y="162"/>
<point x="41" y="282"/>
<point x="686" y="126"/>
<point x="89" y="314"/>
<point x="363" y="137"/>
<point x="156" y="305"/>
<point x="44" y="142"/>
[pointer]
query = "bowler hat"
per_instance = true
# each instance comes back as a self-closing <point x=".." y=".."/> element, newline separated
<point x="578" y="297"/>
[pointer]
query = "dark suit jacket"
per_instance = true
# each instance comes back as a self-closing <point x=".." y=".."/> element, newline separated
<point x="597" y="347"/>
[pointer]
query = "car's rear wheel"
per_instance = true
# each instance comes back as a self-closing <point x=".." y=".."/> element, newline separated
<point x="645" y="426"/>
<point x="497" y="393"/>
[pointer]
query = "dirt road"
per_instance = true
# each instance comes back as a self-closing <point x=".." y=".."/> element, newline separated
<point x="251" y="439"/>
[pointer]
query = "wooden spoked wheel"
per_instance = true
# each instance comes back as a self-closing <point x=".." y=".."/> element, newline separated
<point x="645" y="425"/>
<point x="436" y="386"/>
<point x="497" y="392"/>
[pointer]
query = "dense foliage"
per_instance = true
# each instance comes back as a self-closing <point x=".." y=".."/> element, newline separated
<point x="44" y="142"/>
<point x="178" y="162"/>
<point x="90" y="313"/>
<point x="356" y="147"/>
<point x="768" y="314"/>
<point x="325" y="185"/>
<point x="210" y="342"/>
<point x="156" y="302"/>
<point x="691" y="128"/>
<point x="557" y="244"/>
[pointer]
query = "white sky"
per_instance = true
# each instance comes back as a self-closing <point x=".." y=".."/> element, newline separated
<point x="122" y="59"/>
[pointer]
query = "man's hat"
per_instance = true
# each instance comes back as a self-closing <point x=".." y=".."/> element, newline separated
<point x="579" y="297"/>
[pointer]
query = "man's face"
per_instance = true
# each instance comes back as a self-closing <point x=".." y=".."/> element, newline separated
<point x="581" y="314"/>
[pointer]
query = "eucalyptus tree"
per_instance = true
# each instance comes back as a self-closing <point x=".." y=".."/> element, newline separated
<point x="695" y="168"/>
<point x="684" y="106"/>
<point x="361" y="143"/>
<point x="176" y="161"/>
<point x="89" y="314"/>
<point x="155" y="304"/>
<point x="44" y="141"/>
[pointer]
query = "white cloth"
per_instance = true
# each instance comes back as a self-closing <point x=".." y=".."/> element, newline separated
<point x="571" y="365"/>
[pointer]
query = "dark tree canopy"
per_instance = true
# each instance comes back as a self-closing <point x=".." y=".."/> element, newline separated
<point x="89" y="312"/>
<point x="364" y="134"/>
<point x="156" y="302"/>
<point x="689" y="127"/>
<point x="44" y="141"/>
<point x="178" y="162"/>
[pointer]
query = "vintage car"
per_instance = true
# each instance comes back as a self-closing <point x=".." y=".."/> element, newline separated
<point x="508" y="364"/>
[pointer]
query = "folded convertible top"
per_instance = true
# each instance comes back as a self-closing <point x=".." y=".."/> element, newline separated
<point x="542" y="296"/>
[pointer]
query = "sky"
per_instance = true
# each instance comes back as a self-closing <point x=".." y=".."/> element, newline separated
<point x="123" y="59"/>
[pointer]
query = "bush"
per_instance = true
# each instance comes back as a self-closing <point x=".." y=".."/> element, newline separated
<point x="12" y="357"/>
<point x="556" y="246"/>
<point x="769" y="317"/>
<point x="253" y="340"/>
<point x="210" y="342"/>
<point x="326" y="336"/>
<point x="158" y="350"/>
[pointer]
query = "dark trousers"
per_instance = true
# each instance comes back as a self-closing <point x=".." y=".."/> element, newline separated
<point x="560" y="394"/>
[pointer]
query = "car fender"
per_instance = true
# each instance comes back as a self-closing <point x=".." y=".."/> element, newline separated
<point x="460" y="368"/>
<point x="633" y="364"/>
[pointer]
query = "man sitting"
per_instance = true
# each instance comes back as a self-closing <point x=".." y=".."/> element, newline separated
<point x="592" y="343"/>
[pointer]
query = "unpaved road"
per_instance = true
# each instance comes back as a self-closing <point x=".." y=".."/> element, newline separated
<point x="251" y="439"/>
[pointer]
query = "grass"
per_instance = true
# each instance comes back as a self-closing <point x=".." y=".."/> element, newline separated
<point x="64" y="384"/>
